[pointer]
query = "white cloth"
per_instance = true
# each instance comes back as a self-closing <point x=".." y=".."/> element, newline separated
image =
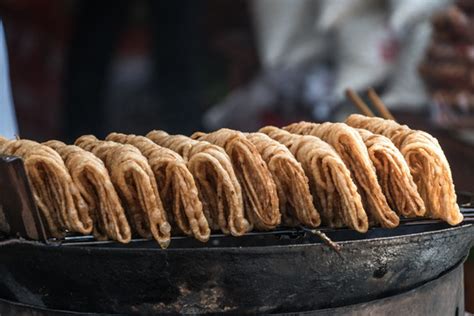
<point x="8" y="125"/>
<point x="285" y="31"/>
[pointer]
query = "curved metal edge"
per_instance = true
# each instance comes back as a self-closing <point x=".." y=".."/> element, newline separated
<point x="8" y="308"/>
<point x="440" y="233"/>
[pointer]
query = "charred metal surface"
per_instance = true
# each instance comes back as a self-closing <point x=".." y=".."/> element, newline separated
<point x="233" y="275"/>
<point x="442" y="296"/>
<point x="18" y="213"/>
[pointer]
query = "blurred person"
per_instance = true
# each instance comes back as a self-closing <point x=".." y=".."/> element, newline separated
<point x="311" y="51"/>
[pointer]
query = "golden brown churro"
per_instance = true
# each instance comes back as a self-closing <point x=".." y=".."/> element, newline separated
<point x="428" y="165"/>
<point x="175" y="183"/>
<point x="260" y="194"/>
<point x="57" y="197"/>
<point x="330" y="180"/>
<point x="136" y="185"/>
<point x="349" y="145"/>
<point x="296" y="201"/>
<point x="93" y="182"/>
<point x="217" y="183"/>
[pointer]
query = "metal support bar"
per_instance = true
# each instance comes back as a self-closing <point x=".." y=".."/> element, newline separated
<point x="19" y="215"/>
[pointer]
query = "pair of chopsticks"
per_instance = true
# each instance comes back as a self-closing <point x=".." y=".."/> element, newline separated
<point x="374" y="99"/>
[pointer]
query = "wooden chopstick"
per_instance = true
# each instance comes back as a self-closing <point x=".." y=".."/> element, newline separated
<point x="379" y="105"/>
<point x="358" y="102"/>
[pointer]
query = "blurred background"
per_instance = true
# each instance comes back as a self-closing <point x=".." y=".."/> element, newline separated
<point x="91" y="67"/>
<point x="95" y="66"/>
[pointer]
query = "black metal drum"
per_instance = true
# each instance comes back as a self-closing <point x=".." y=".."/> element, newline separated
<point x="283" y="272"/>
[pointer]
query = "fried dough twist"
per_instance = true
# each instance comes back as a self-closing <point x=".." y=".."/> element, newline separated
<point x="260" y="194"/>
<point x="330" y="180"/>
<point x="428" y="165"/>
<point x="349" y="145"/>
<point x="93" y="182"/>
<point x="176" y="185"/>
<point x="136" y="185"/>
<point x="58" y="199"/>
<point x="296" y="201"/>
<point x="217" y="184"/>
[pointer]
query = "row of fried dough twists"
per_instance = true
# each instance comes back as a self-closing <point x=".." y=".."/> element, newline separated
<point x="367" y="171"/>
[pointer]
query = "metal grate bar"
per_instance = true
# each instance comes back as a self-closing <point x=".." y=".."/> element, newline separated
<point x="299" y="231"/>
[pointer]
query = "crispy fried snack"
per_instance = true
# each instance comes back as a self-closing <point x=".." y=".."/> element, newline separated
<point x="136" y="185"/>
<point x="428" y="165"/>
<point x="394" y="175"/>
<point x="93" y="182"/>
<point x="57" y="197"/>
<point x="349" y="145"/>
<point x="338" y="200"/>
<point x="260" y="194"/>
<point x="217" y="184"/>
<point x="296" y="201"/>
<point x="175" y="183"/>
